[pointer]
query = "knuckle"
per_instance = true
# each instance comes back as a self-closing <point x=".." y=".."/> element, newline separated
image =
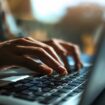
<point x="22" y="40"/>
<point x="18" y="40"/>
<point x="75" y="47"/>
<point x="49" y="48"/>
<point x="29" y="38"/>
<point x="54" y="40"/>
<point x="8" y="44"/>
<point x="62" y="52"/>
<point x="40" y="50"/>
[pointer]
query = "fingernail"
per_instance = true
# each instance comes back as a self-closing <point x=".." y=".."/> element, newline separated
<point x="62" y="70"/>
<point x="46" y="70"/>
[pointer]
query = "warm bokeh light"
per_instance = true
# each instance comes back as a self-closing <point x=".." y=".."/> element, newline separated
<point x="48" y="10"/>
<point x="51" y="11"/>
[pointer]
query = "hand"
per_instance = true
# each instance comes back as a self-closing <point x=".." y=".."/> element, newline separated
<point x="64" y="49"/>
<point x="20" y="52"/>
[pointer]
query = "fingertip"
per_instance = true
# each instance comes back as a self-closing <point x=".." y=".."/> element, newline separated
<point x="50" y="72"/>
<point x="79" y="66"/>
<point x="44" y="69"/>
<point x="64" y="73"/>
<point x="62" y="70"/>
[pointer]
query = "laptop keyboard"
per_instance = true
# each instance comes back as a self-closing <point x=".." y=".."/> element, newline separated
<point x="47" y="89"/>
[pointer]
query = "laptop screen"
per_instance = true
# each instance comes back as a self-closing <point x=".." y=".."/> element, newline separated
<point x="96" y="81"/>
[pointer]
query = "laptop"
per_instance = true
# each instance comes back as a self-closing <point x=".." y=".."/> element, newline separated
<point x="77" y="88"/>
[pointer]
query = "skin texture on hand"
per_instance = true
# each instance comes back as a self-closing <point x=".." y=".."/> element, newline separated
<point x="23" y="51"/>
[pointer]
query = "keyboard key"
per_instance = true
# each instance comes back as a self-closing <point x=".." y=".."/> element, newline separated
<point x="34" y="82"/>
<point x="40" y="98"/>
<point x="27" y="92"/>
<point x="77" y="90"/>
<point x="28" y="85"/>
<point x="56" y="94"/>
<point x="33" y="88"/>
<point x="47" y="89"/>
<point x="48" y="100"/>
<point x="18" y="85"/>
<point x="68" y="87"/>
<point x="19" y="89"/>
<point x="63" y="90"/>
<point x="8" y="87"/>
<point x="26" y="97"/>
<point x="5" y="92"/>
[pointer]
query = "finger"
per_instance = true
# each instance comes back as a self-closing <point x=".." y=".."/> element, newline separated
<point x="53" y="53"/>
<point x="74" y="51"/>
<point x="32" y="65"/>
<point x="28" y="41"/>
<point x="43" y="56"/>
<point x="60" y="51"/>
<point x="49" y="49"/>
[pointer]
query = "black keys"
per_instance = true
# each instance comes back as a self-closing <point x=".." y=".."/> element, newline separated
<point x="26" y="97"/>
<point x="19" y="87"/>
<point x="35" y="82"/>
<point x="5" y="92"/>
<point x="56" y="94"/>
<point x="48" y="100"/>
<point x="63" y="90"/>
<point x="33" y="88"/>
<point x="27" y="92"/>
<point x="69" y="87"/>
<point x="32" y="93"/>
<point x="28" y="85"/>
<point x="45" y="89"/>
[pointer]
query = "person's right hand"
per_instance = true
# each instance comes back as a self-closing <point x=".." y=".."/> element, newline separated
<point x="21" y="52"/>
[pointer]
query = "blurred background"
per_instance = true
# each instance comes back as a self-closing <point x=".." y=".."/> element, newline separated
<point x="77" y="21"/>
